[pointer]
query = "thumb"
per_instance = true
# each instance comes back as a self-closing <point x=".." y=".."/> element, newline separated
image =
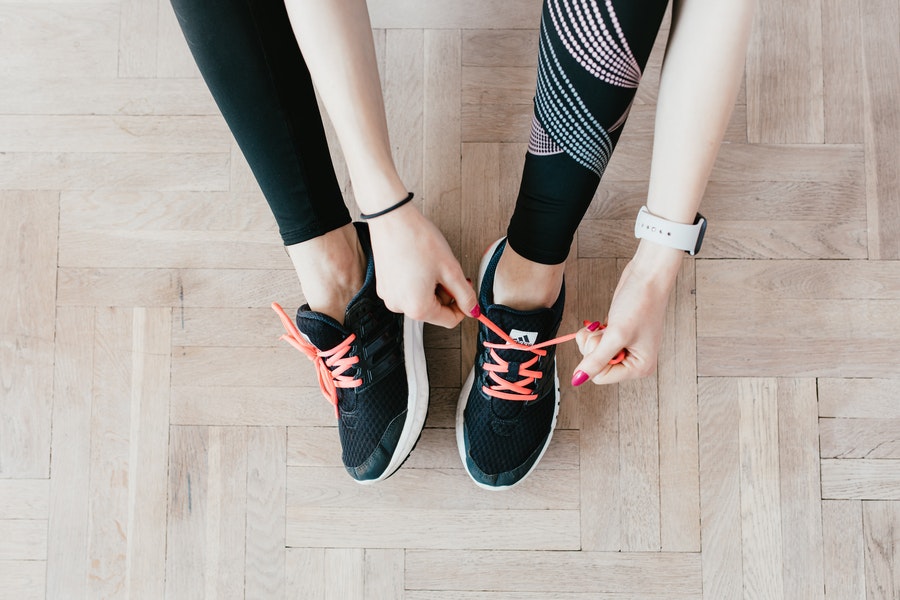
<point x="464" y="295"/>
<point x="603" y="358"/>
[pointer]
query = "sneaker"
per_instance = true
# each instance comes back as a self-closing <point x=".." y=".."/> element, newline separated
<point x="508" y="405"/>
<point x="372" y="369"/>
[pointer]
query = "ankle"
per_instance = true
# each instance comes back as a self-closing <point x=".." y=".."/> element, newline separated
<point x="331" y="269"/>
<point x="522" y="284"/>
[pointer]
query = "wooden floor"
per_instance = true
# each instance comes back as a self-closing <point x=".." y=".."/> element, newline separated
<point x="157" y="440"/>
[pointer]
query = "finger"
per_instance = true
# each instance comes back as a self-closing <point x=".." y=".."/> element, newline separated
<point x="461" y="290"/>
<point x="597" y="361"/>
<point x="442" y="315"/>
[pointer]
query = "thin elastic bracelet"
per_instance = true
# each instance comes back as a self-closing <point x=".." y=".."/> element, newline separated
<point x="387" y="210"/>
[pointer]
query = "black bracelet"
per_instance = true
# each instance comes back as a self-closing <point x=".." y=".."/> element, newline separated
<point x="387" y="210"/>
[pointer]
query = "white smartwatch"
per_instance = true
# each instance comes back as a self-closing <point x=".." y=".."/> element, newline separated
<point x="668" y="233"/>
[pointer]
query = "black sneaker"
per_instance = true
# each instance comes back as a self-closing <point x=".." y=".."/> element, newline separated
<point x="372" y="368"/>
<point x="508" y="405"/>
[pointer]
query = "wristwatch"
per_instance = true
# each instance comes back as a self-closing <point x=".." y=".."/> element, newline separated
<point x="668" y="233"/>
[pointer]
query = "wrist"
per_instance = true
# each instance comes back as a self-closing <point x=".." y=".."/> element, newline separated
<point x="656" y="264"/>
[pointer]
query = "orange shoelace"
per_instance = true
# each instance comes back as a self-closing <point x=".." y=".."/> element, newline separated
<point x="519" y="390"/>
<point x="330" y="364"/>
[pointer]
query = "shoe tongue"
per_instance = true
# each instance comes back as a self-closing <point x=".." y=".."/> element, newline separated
<point x="525" y="327"/>
<point x="322" y="331"/>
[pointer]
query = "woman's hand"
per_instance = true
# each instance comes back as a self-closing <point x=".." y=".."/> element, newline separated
<point x="418" y="275"/>
<point x="636" y="318"/>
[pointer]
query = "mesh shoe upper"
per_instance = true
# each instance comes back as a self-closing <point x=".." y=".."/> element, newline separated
<point x="504" y="438"/>
<point x="371" y="415"/>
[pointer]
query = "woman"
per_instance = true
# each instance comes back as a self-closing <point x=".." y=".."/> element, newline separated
<point x="369" y="286"/>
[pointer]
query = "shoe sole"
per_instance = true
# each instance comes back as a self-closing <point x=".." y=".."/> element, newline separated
<point x="417" y="404"/>
<point x="467" y="387"/>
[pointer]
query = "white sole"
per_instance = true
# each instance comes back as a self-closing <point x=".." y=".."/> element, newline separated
<point x="467" y="387"/>
<point x="417" y="401"/>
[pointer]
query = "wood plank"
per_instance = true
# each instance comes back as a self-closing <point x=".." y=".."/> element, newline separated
<point x="147" y="462"/>
<point x="880" y="20"/>
<point x="880" y="523"/>
<point x="465" y="14"/>
<point x="108" y="491"/>
<point x="345" y="573"/>
<point x="265" y="546"/>
<point x="137" y="38"/>
<point x="602" y="494"/>
<point x="859" y="438"/>
<point x="442" y="185"/>
<point x="384" y="573"/>
<point x="425" y="528"/>
<point x="63" y="40"/>
<point x="838" y="163"/>
<point x="24" y="498"/>
<point x="99" y="95"/>
<point x="679" y="484"/>
<point x="761" y="515"/>
<point x="176" y="288"/>
<point x="124" y="171"/>
<point x="70" y="459"/>
<point x="639" y="464"/>
<point x="114" y="134"/>
<point x="207" y="511"/>
<point x="425" y="490"/>
<point x="643" y="575"/>
<point x="801" y="508"/>
<point x="784" y="74"/>
<point x="105" y="210"/>
<point x="23" y="539"/>
<point x="23" y="579"/>
<point x="305" y="573"/>
<point x="859" y="398"/>
<point x="860" y="479"/>
<point x="845" y="572"/>
<point x="251" y="406"/>
<point x="500" y="47"/>
<point x="720" y="488"/>
<point x="28" y="247"/>
<point x="320" y="447"/>
<point x="794" y="279"/>
<point x="842" y="70"/>
<point x="404" y="92"/>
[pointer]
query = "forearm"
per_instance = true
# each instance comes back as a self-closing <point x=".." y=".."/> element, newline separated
<point x="700" y="79"/>
<point x="336" y="41"/>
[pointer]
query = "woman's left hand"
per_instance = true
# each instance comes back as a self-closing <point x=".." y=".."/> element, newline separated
<point x="636" y="320"/>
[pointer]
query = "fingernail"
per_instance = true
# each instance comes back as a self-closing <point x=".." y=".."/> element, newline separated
<point x="475" y="312"/>
<point x="594" y="326"/>
<point x="579" y="378"/>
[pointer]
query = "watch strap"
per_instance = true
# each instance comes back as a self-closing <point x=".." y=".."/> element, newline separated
<point x="683" y="236"/>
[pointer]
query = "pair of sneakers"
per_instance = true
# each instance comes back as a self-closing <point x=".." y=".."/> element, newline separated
<point x="372" y="369"/>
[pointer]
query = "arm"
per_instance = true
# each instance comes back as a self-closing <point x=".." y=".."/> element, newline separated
<point x="411" y="256"/>
<point x="700" y="79"/>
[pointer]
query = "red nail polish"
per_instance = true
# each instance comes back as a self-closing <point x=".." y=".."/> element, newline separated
<point x="594" y="326"/>
<point x="475" y="312"/>
<point x="579" y="378"/>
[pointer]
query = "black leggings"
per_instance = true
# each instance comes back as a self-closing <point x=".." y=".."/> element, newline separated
<point x="592" y="54"/>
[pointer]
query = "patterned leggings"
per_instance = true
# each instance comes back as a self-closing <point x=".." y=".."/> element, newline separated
<point x="592" y="54"/>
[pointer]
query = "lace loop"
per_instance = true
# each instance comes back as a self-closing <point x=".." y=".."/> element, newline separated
<point x="330" y="365"/>
<point x="519" y="390"/>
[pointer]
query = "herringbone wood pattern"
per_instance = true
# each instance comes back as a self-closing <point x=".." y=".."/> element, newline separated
<point x="156" y="440"/>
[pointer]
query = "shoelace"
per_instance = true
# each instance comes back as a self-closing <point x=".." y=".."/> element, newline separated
<point x="330" y="364"/>
<point x="519" y="390"/>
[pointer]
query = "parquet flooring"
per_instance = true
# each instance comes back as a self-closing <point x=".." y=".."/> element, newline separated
<point x="157" y="441"/>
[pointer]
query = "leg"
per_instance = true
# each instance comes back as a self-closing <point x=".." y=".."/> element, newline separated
<point x="590" y="63"/>
<point x="248" y="56"/>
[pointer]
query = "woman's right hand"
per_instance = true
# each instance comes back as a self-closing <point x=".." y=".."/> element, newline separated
<point x="417" y="273"/>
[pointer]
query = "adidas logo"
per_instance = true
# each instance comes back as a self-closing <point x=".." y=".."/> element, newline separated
<point x="526" y="338"/>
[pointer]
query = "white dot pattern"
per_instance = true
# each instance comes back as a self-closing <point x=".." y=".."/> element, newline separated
<point x="563" y="114"/>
